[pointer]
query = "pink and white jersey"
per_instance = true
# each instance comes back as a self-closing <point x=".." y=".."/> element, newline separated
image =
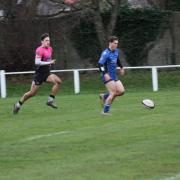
<point x="45" y="55"/>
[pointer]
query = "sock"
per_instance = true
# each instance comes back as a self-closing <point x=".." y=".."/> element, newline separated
<point x="51" y="98"/>
<point x="107" y="108"/>
<point x="20" y="103"/>
<point x="106" y="95"/>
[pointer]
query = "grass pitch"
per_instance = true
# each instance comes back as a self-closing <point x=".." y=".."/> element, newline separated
<point x="76" y="142"/>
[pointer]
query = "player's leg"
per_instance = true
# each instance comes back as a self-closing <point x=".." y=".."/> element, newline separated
<point x="25" y="97"/>
<point x="111" y="87"/>
<point x="119" y="88"/>
<point x="104" y="96"/>
<point x="56" y="81"/>
<point x="31" y="93"/>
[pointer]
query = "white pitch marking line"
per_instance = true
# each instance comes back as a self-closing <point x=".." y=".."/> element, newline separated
<point x="44" y="135"/>
<point x="176" y="177"/>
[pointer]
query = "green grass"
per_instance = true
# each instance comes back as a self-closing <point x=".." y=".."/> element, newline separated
<point x="75" y="142"/>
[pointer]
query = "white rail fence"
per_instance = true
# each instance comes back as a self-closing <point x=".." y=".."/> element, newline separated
<point x="154" y="71"/>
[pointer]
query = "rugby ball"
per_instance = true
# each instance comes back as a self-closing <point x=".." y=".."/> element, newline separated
<point x="148" y="103"/>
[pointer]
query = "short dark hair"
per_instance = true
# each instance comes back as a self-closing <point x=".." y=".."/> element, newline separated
<point x="112" y="39"/>
<point x="43" y="36"/>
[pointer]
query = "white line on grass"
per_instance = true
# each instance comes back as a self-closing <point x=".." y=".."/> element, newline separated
<point x="176" y="177"/>
<point x="44" y="135"/>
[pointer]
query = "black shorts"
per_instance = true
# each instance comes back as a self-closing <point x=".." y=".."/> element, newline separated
<point x="40" y="77"/>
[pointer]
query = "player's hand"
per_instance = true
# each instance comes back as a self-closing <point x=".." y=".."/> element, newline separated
<point x="53" y="61"/>
<point x="121" y="71"/>
<point x="107" y="77"/>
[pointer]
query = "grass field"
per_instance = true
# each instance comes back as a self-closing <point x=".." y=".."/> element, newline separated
<point x="76" y="142"/>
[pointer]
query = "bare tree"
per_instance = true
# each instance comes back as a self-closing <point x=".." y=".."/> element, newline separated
<point x="29" y="9"/>
<point x="102" y="31"/>
<point x="96" y="7"/>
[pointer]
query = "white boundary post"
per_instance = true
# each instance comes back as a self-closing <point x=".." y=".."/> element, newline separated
<point x="3" y="83"/>
<point x="154" y="78"/>
<point x="76" y="81"/>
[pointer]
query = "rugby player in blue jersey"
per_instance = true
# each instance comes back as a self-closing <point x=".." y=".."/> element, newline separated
<point x="108" y="63"/>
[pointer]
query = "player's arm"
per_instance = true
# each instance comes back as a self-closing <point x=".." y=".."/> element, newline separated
<point x="101" y="63"/>
<point x="39" y="62"/>
<point x="102" y="67"/>
<point x="121" y="69"/>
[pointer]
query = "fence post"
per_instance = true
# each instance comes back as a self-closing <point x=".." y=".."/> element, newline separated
<point x="3" y="83"/>
<point x="154" y="78"/>
<point x="76" y="81"/>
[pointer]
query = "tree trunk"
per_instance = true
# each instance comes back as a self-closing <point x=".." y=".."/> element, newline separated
<point x="104" y="32"/>
<point x="113" y="20"/>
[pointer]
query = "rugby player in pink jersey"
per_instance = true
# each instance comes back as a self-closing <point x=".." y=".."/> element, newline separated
<point x="43" y="62"/>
